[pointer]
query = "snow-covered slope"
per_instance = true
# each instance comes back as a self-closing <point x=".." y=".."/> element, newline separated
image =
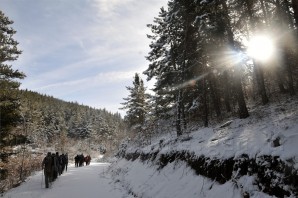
<point x="255" y="157"/>
<point x="254" y="136"/>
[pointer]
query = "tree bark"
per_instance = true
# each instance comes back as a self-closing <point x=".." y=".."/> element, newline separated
<point x="205" y="104"/>
<point x="260" y="82"/>
<point x="214" y="95"/>
<point x="227" y="88"/>
<point x="243" y="112"/>
<point x="289" y="72"/>
<point x="178" y="118"/>
<point x="286" y="49"/>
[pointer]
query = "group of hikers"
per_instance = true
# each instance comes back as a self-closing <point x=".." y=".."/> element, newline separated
<point x="54" y="165"/>
<point x="80" y="159"/>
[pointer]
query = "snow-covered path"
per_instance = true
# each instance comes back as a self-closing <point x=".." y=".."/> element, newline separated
<point x="88" y="181"/>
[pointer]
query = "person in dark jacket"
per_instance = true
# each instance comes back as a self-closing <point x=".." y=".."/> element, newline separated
<point x="66" y="161"/>
<point x="77" y="159"/>
<point x="47" y="166"/>
<point x="82" y="160"/>
<point x="59" y="163"/>
<point x="55" y="166"/>
<point x="62" y="163"/>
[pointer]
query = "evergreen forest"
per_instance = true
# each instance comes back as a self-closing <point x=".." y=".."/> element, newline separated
<point x="215" y="59"/>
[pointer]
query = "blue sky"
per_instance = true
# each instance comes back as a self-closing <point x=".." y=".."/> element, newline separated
<point x="82" y="50"/>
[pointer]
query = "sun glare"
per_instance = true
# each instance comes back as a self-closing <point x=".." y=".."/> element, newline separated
<point x="260" y="48"/>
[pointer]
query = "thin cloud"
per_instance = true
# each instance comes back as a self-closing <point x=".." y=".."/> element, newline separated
<point x="99" y="79"/>
<point x="108" y="8"/>
<point x="71" y="48"/>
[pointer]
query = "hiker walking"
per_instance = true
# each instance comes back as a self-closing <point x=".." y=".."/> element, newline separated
<point x="66" y="161"/>
<point x="47" y="165"/>
<point x="63" y="162"/>
<point x="55" y="166"/>
<point x="59" y="163"/>
<point x="77" y="159"/>
<point x="82" y="159"/>
<point x="87" y="160"/>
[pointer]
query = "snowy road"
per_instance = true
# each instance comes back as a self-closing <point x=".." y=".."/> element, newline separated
<point x="88" y="181"/>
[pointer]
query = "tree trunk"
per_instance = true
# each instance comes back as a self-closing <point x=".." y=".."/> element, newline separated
<point x="178" y="118"/>
<point x="227" y="89"/>
<point x="277" y="71"/>
<point x="180" y="111"/>
<point x="184" y="123"/>
<point x="280" y="84"/>
<point x="205" y="104"/>
<point x="286" y="50"/>
<point x="260" y="82"/>
<point x="214" y="94"/>
<point x="289" y="72"/>
<point x="243" y="112"/>
<point x="258" y="70"/>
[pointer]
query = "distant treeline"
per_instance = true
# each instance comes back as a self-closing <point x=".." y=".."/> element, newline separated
<point x="45" y="118"/>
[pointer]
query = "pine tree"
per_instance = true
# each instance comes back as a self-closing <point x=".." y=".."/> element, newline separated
<point x="162" y="66"/>
<point x="172" y="60"/>
<point x="136" y="103"/>
<point x="9" y="100"/>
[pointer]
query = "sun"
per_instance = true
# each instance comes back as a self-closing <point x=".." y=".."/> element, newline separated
<point x="261" y="48"/>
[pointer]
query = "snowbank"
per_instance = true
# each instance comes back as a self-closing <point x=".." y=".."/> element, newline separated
<point x="239" y="157"/>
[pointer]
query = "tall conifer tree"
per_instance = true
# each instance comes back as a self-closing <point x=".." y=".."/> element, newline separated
<point x="136" y="103"/>
<point x="9" y="100"/>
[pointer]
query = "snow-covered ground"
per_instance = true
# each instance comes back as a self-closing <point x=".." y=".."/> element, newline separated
<point x="176" y="180"/>
<point x="88" y="181"/>
<point x="270" y="130"/>
<point x="253" y="136"/>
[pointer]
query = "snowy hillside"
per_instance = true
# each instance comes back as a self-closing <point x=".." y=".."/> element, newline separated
<point x="253" y="157"/>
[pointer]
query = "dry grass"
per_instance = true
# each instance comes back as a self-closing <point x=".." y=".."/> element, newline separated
<point x="18" y="168"/>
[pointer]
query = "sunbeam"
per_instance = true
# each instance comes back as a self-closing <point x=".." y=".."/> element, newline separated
<point x="261" y="48"/>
